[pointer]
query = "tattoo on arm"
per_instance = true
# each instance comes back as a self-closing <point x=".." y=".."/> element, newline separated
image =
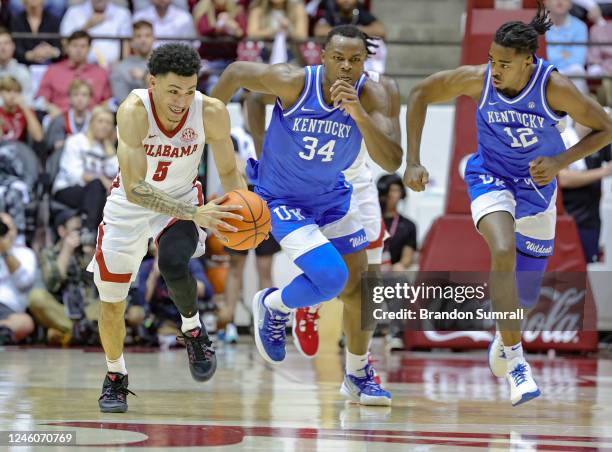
<point x="145" y="195"/>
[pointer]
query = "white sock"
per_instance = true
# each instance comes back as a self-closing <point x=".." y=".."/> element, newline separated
<point x="189" y="323"/>
<point x="116" y="365"/>
<point x="513" y="351"/>
<point x="355" y="364"/>
<point x="275" y="301"/>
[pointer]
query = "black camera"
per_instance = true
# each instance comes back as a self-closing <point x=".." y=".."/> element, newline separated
<point x="3" y="228"/>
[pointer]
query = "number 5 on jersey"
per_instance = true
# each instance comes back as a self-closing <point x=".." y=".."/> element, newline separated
<point x="161" y="171"/>
<point x="327" y="150"/>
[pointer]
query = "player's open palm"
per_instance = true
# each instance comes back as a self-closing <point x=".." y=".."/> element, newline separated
<point x="416" y="177"/>
<point x="214" y="214"/>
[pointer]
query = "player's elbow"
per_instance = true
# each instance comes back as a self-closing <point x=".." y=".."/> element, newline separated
<point x="416" y="95"/>
<point x="131" y="191"/>
<point x="608" y="129"/>
<point x="392" y="160"/>
<point x="395" y="161"/>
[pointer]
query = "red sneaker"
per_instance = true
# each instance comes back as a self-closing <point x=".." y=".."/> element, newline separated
<point x="306" y="331"/>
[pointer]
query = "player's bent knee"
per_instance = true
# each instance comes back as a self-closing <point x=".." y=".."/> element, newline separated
<point x="112" y="311"/>
<point x="330" y="280"/>
<point x="173" y="267"/>
<point x="504" y="255"/>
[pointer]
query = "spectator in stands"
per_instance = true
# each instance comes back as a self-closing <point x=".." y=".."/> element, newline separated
<point x="17" y="274"/>
<point x="153" y="290"/>
<point x="400" y="247"/>
<point x="17" y="121"/>
<point x="74" y="120"/>
<point x="100" y="18"/>
<point x="87" y="167"/>
<point x="36" y="19"/>
<point x="56" y="81"/>
<point x="600" y="59"/>
<point x="581" y="187"/>
<point x="68" y="304"/>
<point x="131" y="73"/>
<point x="349" y="12"/>
<point x="10" y="66"/>
<point x="219" y="18"/>
<point x="56" y="7"/>
<point x="139" y="5"/>
<point x="593" y="10"/>
<point x="570" y="60"/>
<point x="168" y="21"/>
<point x="14" y="189"/>
<point x="279" y="20"/>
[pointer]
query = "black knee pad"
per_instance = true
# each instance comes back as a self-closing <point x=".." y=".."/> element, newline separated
<point x="176" y="246"/>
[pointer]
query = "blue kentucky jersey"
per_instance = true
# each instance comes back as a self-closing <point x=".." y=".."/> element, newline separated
<point x="513" y="132"/>
<point x="307" y="146"/>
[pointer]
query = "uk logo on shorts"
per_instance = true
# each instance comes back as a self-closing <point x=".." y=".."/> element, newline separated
<point x="188" y="135"/>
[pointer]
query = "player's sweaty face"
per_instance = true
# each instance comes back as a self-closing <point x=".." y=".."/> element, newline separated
<point x="343" y="59"/>
<point x="174" y="93"/>
<point x="508" y="67"/>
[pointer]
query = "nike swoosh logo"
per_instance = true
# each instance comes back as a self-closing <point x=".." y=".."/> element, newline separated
<point x="515" y="347"/>
<point x="151" y="136"/>
<point x="306" y="109"/>
<point x="493" y="103"/>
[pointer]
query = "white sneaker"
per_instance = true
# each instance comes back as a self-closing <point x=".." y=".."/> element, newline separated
<point x="231" y="334"/>
<point x="497" y="358"/>
<point x="523" y="387"/>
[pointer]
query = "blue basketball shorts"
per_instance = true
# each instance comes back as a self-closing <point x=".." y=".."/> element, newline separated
<point x="300" y="226"/>
<point x="533" y="207"/>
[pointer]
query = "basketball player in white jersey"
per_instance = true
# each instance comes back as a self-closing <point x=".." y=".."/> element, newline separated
<point x="364" y="195"/>
<point x="162" y="132"/>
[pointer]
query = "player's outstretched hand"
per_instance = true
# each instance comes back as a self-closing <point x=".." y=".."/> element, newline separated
<point x="212" y="215"/>
<point x="544" y="169"/>
<point x="416" y="177"/>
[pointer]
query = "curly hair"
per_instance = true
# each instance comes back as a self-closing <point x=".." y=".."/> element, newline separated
<point x="179" y="59"/>
<point x="523" y="37"/>
<point x="351" y="31"/>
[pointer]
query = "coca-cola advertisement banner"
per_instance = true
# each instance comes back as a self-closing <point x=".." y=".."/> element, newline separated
<point x="542" y="303"/>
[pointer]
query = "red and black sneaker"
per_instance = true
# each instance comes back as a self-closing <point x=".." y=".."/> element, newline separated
<point x="114" y="393"/>
<point x="202" y="358"/>
<point x="306" y="331"/>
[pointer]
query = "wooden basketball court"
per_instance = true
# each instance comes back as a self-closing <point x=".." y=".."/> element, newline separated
<point x="441" y="401"/>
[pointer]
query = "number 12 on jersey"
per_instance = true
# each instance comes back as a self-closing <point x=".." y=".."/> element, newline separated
<point x="327" y="150"/>
<point x="526" y="137"/>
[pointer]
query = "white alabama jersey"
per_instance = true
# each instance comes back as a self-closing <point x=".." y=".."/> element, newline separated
<point x="173" y="157"/>
<point x="359" y="171"/>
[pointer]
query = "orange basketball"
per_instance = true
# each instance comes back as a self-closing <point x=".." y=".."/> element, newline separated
<point x="254" y="227"/>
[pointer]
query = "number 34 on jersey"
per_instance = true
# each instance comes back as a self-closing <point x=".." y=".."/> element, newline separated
<point x="312" y="149"/>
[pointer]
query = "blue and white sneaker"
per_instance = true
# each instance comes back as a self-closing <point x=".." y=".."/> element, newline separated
<point x="497" y="358"/>
<point x="231" y="334"/>
<point x="523" y="387"/>
<point x="365" y="390"/>
<point x="270" y="336"/>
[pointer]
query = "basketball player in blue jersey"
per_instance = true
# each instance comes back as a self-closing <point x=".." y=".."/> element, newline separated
<point x="321" y="115"/>
<point x="511" y="178"/>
